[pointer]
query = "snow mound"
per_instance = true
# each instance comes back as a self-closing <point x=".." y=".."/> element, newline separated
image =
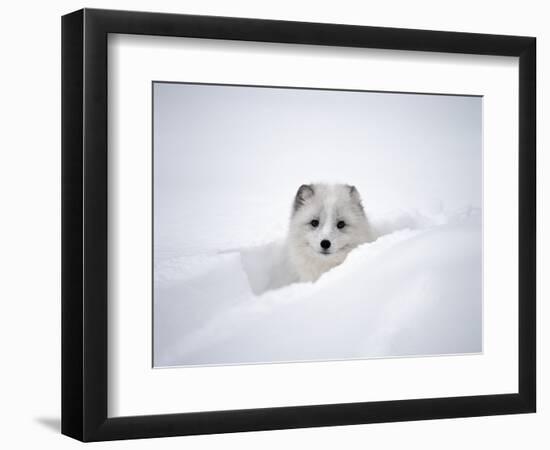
<point x="415" y="290"/>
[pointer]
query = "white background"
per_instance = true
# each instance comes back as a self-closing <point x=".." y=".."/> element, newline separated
<point x="30" y="227"/>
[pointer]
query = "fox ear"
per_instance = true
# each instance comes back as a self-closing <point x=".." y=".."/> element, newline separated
<point x="305" y="192"/>
<point x="355" y="196"/>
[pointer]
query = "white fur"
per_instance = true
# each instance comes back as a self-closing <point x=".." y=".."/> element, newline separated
<point x="328" y="204"/>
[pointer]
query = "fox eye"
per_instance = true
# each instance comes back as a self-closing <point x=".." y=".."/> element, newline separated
<point x="314" y="223"/>
<point x="341" y="224"/>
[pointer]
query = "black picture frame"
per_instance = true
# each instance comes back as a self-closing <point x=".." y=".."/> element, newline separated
<point x="84" y="224"/>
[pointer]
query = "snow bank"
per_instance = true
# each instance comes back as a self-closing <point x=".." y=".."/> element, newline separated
<point x="416" y="290"/>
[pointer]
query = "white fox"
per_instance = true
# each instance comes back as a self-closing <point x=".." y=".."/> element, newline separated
<point x="327" y="222"/>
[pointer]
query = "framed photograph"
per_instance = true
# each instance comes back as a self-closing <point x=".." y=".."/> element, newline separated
<point x="272" y="224"/>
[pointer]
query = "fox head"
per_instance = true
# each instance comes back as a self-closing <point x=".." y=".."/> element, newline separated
<point x="327" y="222"/>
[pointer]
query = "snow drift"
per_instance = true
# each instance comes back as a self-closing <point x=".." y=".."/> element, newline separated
<point x="416" y="290"/>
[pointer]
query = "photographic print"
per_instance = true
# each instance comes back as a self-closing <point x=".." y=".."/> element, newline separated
<point x="346" y="214"/>
<point x="304" y="224"/>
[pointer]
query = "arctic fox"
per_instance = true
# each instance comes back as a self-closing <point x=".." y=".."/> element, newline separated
<point x="327" y="222"/>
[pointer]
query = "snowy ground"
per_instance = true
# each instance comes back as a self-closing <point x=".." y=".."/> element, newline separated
<point x="416" y="290"/>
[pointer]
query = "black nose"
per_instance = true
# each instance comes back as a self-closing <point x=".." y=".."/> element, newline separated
<point x="325" y="244"/>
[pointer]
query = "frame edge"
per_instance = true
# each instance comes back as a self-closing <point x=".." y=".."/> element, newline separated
<point x="527" y="252"/>
<point x="72" y="222"/>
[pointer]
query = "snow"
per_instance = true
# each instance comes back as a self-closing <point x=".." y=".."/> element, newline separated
<point x="414" y="291"/>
